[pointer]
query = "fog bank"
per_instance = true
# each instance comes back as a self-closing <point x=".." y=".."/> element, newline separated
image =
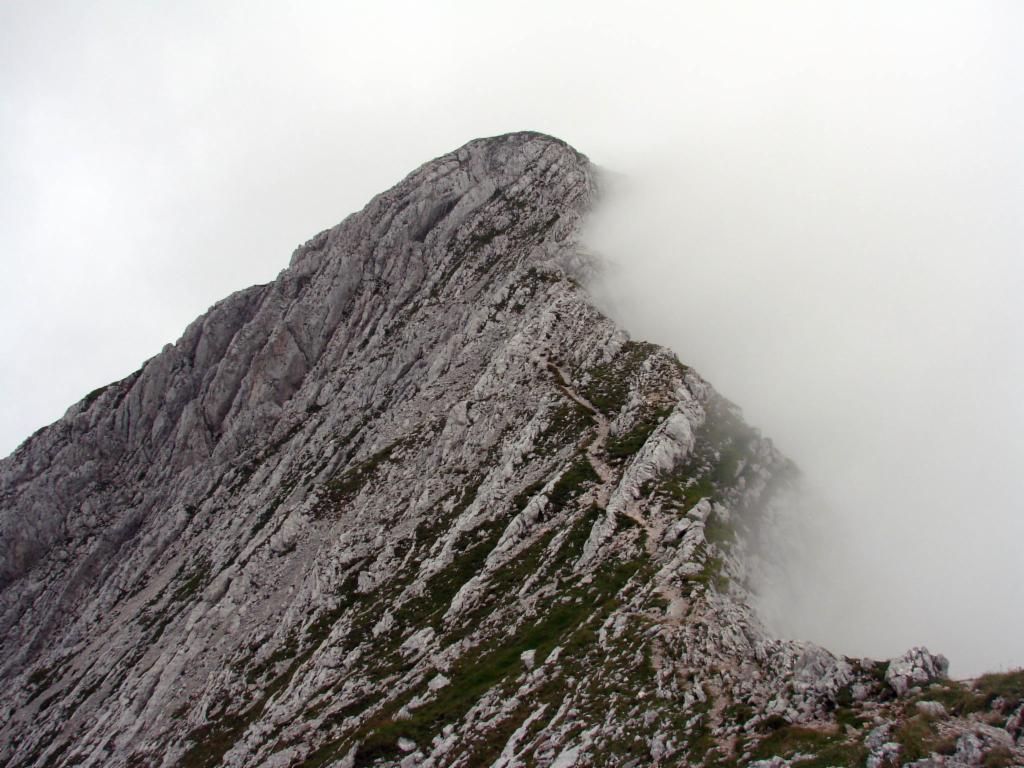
<point x="859" y="297"/>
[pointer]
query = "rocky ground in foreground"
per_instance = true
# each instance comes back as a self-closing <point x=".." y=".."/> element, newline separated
<point x="418" y="503"/>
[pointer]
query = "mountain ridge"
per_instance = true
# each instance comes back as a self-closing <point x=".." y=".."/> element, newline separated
<point x="417" y="501"/>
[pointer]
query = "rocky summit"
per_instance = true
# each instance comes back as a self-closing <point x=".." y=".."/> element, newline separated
<point x="417" y="502"/>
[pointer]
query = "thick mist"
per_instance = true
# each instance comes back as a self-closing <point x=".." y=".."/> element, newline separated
<point x="856" y="289"/>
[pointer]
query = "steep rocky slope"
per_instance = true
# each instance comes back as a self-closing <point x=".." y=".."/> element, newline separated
<point x="418" y="502"/>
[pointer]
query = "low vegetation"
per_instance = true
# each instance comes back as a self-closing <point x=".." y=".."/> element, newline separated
<point x="608" y="384"/>
<point x="624" y="446"/>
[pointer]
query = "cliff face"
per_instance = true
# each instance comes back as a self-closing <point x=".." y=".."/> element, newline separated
<point x="417" y="501"/>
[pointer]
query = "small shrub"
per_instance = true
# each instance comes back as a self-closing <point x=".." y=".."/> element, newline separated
<point x="958" y="699"/>
<point x="569" y="421"/>
<point x="999" y="757"/>
<point x="845" y="754"/>
<point x="629" y="444"/>
<point x="353" y="480"/>
<point x="609" y="383"/>
<point x="738" y="713"/>
<point x="569" y="485"/>
<point x="789" y="740"/>
<point x="773" y="723"/>
<point x="717" y="530"/>
<point x="1002" y="685"/>
<point x="92" y="396"/>
<point x="918" y="739"/>
<point x="522" y="499"/>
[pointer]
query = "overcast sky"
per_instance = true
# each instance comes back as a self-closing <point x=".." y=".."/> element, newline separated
<point x="823" y="215"/>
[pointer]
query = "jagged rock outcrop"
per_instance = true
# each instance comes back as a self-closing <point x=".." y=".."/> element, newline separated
<point x="418" y="503"/>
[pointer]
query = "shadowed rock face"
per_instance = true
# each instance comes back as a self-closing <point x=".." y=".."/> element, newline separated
<point x="418" y="502"/>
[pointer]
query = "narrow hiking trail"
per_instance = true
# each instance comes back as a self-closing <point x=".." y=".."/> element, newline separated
<point x="677" y="605"/>
<point x="676" y="602"/>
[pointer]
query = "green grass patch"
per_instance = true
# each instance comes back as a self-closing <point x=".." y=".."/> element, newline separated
<point x="609" y="383"/>
<point x="212" y="740"/>
<point x="428" y="531"/>
<point x="790" y="740"/>
<point x="846" y="716"/>
<point x="94" y="395"/>
<point x="629" y="444"/>
<point x="717" y="530"/>
<point x="507" y="579"/>
<point x="445" y="584"/>
<point x="569" y="421"/>
<point x="526" y="495"/>
<point x="686" y="489"/>
<point x="353" y="480"/>
<point x="724" y="445"/>
<point x="570" y="484"/>
<point x="843" y="754"/>
<point x="960" y="699"/>
<point x="712" y="574"/>
<point x="738" y="713"/>
<point x="999" y="757"/>
<point x="42" y="678"/>
<point x="196" y="580"/>
<point x="918" y="739"/>
<point x="1008" y="686"/>
<point x="267" y="514"/>
<point x="572" y="546"/>
<point x="475" y="674"/>
<point x="325" y="754"/>
<point x="288" y="649"/>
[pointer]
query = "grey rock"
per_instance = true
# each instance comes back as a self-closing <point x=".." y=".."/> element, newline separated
<point x="914" y="668"/>
<point x="969" y="750"/>
<point x="931" y="708"/>
<point x="417" y="473"/>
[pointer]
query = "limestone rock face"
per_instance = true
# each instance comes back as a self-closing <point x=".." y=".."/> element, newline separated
<point x="418" y="503"/>
<point x="915" y="668"/>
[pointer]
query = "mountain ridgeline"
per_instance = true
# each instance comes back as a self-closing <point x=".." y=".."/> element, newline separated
<point x="417" y="502"/>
